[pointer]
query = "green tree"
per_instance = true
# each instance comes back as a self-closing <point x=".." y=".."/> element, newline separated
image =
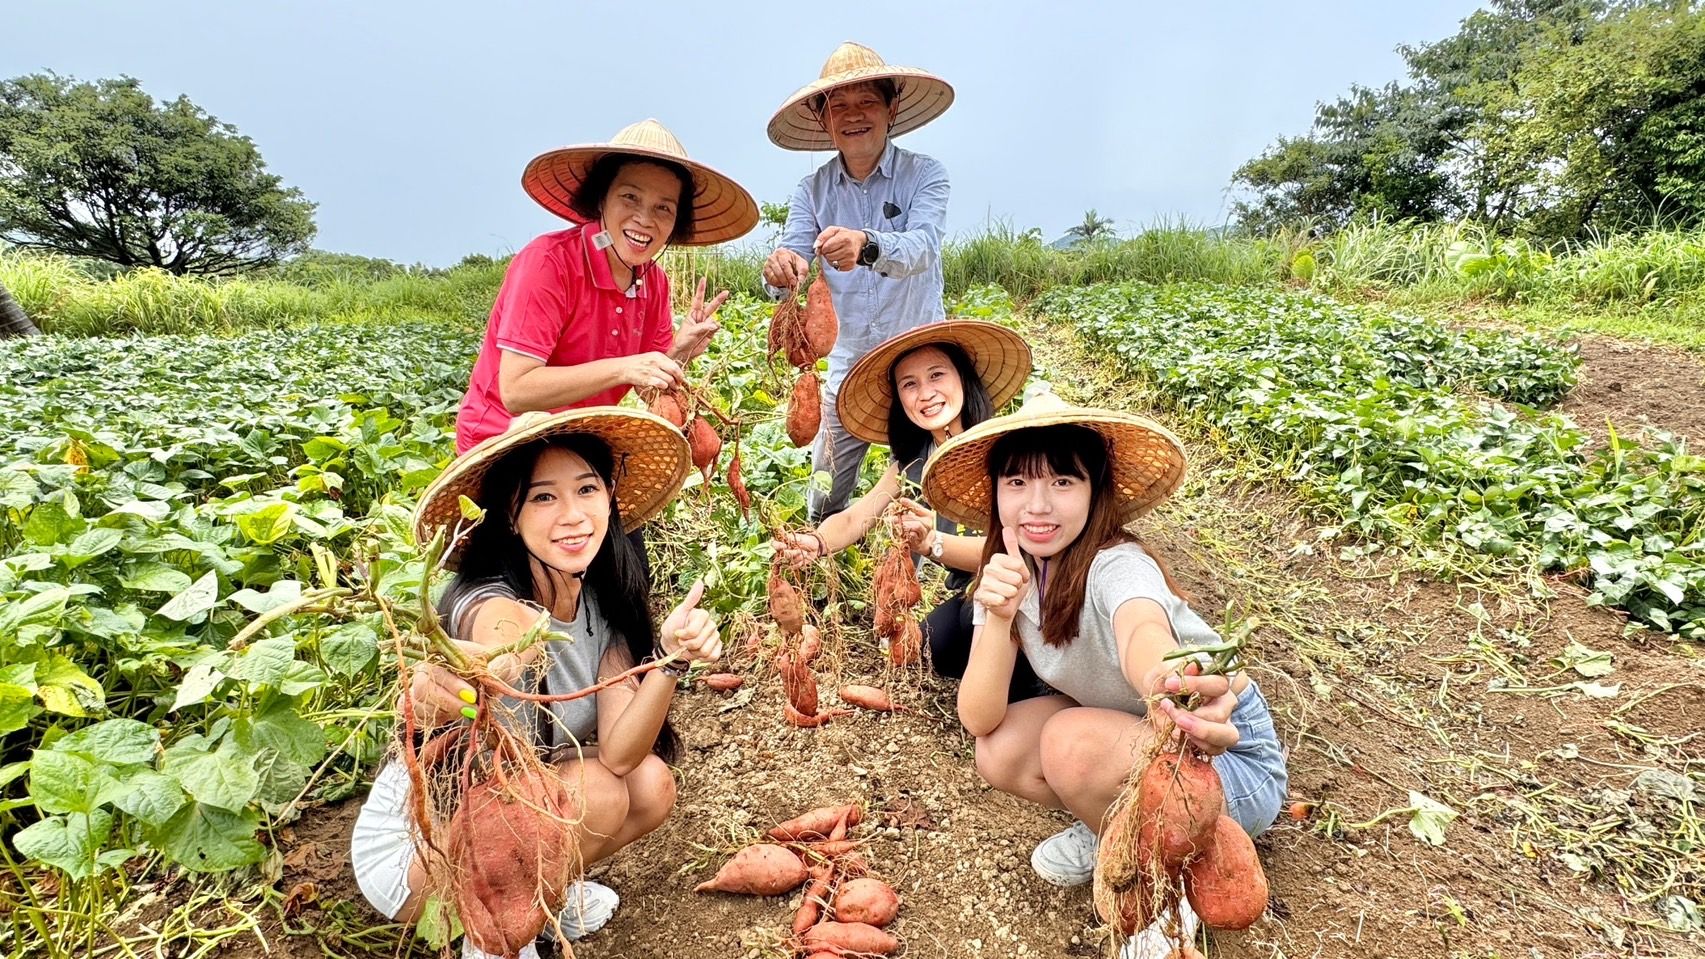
<point x="100" y="170"/>
<point x="1093" y="228"/>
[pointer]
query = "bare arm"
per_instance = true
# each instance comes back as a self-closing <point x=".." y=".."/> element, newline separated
<point x="526" y="383"/>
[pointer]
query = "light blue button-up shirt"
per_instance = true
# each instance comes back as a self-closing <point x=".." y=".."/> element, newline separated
<point x="902" y="206"/>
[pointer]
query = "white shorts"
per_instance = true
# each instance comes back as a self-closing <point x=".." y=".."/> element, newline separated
<point x="382" y="848"/>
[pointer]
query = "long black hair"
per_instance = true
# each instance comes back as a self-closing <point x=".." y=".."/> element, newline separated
<point x="589" y="199"/>
<point x="908" y="440"/>
<point x="616" y="577"/>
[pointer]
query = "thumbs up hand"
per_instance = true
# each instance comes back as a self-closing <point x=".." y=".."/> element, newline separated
<point x="691" y="630"/>
<point x="1005" y="581"/>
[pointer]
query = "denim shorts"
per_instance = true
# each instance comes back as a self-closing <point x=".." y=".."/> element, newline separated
<point x="1253" y="772"/>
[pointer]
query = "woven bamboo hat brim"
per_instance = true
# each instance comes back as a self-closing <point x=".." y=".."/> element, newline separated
<point x="922" y="97"/>
<point x="1000" y="356"/>
<point x="651" y="458"/>
<point x="722" y="209"/>
<point x="1147" y="460"/>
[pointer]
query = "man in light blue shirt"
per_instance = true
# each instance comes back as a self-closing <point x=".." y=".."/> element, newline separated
<point x="874" y="213"/>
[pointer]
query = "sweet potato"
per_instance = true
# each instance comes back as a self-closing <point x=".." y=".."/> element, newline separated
<point x="810" y="644"/>
<point x="1225" y="884"/>
<point x="1120" y="859"/>
<point x="851" y="937"/>
<point x="867" y="900"/>
<point x="884" y="620"/>
<point x="787" y="606"/>
<point x="868" y="697"/>
<point x="821" y="326"/>
<point x="764" y="869"/>
<point x="785" y="321"/>
<point x="829" y="848"/>
<point x="804" y="410"/>
<point x="799" y="683"/>
<point x="906" y="647"/>
<point x="704" y="443"/>
<point x="816" y="896"/>
<point x="802" y="720"/>
<point x="512" y="849"/>
<point x="1179" y="800"/>
<point x="737" y="484"/>
<point x="817" y="823"/>
<point x="670" y="406"/>
<point x="723" y="682"/>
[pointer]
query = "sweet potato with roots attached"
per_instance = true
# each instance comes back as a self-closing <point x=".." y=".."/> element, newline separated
<point x="787" y="605"/>
<point x="513" y="856"/>
<point x="672" y="406"/>
<point x="822" y="327"/>
<point x="737" y="484"/>
<point x="810" y="644"/>
<point x="799" y="683"/>
<point x="724" y="682"/>
<point x="816" y="824"/>
<point x="804" y="410"/>
<point x="1225" y="884"/>
<point x="704" y="443"/>
<point x="1179" y="801"/>
<point x="870" y="901"/>
<point x="763" y="869"/>
<point x="1129" y="910"/>
<point x="867" y="697"/>
<point x="906" y="648"/>
<point x="850" y="938"/>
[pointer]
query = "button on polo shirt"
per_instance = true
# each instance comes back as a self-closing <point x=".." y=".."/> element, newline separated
<point x="559" y="304"/>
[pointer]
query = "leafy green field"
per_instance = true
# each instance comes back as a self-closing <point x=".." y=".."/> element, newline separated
<point x="1391" y="423"/>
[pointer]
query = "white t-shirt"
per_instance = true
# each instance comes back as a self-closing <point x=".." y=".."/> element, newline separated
<point x="1087" y="668"/>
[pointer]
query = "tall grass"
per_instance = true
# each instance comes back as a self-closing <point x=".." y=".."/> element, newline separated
<point x="1436" y="263"/>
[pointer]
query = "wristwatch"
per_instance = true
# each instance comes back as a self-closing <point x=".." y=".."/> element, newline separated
<point x="937" y="545"/>
<point x="868" y="255"/>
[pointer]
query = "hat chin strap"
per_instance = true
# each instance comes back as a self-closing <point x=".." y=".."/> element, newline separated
<point x="632" y="268"/>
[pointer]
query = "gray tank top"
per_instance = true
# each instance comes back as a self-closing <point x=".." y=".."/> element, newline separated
<point x="566" y="665"/>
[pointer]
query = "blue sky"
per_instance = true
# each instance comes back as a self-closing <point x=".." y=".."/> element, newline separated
<point x="409" y="123"/>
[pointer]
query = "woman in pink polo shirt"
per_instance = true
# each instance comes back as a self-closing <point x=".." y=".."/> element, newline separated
<point x="583" y="314"/>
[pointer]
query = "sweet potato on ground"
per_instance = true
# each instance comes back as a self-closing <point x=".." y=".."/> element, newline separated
<point x="856" y="937"/>
<point x="799" y="683"/>
<point x="817" y="823"/>
<point x="1225" y="884"/>
<point x="723" y="682"/>
<point x="816" y="896"/>
<point x="867" y="697"/>
<point x="764" y="869"/>
<point x="870" y="901"/>
<point x="512" y="849"/>
<point x="804" y="721"/>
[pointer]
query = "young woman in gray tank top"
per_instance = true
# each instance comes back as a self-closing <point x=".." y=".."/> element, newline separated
<point x="558" y="491"/>
<point x="1067" y="586"/>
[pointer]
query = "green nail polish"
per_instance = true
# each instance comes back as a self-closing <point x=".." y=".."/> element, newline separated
<point x="469" y="696"/>
<point x="470" y="712"/>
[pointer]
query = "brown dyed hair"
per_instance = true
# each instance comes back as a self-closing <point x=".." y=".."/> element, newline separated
<point x="1065" y="450"/>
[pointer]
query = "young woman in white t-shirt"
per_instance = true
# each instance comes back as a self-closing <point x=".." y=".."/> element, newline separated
<point x="1064" y="582"/>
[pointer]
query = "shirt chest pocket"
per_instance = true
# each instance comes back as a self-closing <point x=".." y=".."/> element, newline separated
<point x="891" y="217"/>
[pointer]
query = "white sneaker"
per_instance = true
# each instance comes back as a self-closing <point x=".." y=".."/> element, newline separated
<point x="1067" y="858"/>
<point x="590" y="905"/>
<point x="1154" y="943"/>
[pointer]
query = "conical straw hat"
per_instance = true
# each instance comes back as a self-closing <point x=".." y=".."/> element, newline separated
<point x="651" y="455"/>
<point x="999" y="355"/>
<point x="922" y="97"/>
<point x="1147" y="460"/>
<point x="722" y="209"/>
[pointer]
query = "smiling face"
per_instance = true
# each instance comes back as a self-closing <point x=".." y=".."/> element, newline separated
<point x="857" y="118"/>
<point x="928" y="388"/>
<point x="565" y="512"/>
<point x="1049" y="510"/>
<point x="640" y="208"/>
